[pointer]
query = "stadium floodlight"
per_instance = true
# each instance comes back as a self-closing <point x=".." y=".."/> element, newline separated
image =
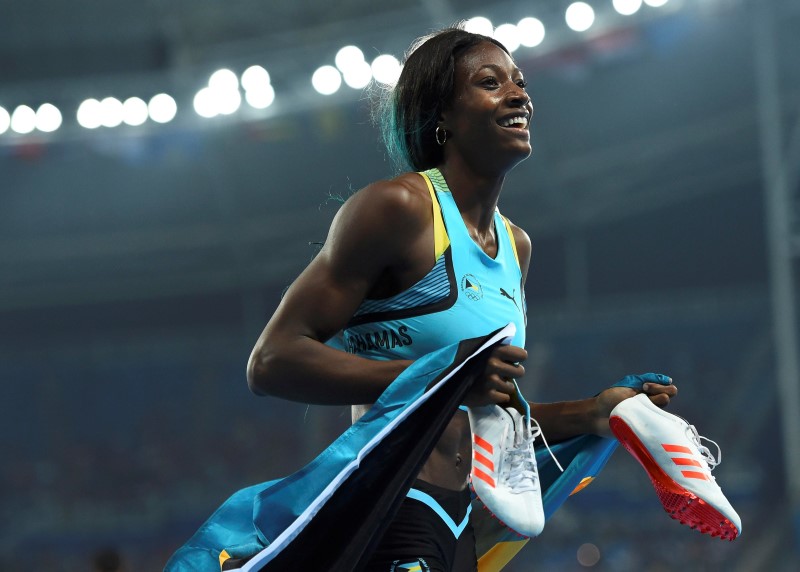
<point x="531" y="32"/>
<point x="110" y="112"/>
<point x="48" y="118"/>
<point x="509" y="36"/>
<point x="261" y="97"/>
<point x="134" y="111"/>
<point x="358" y="75"/>
<point x="480" y="25"/>
<point x="162" y="108"/>
<point x="204" y="103"/>
<point x="227" y="101"/>
<point x="655" y="3"/>
<point x="255" y="77"/>
<point x="348" y="57"/>
<point x="223" y="80"/>
<point x="5" y="120"/>
<point x="386" y="69"/>
<point x="89" y="114"/>
<point x="23" y="120"/>
<point x="627" y="7"/>
<point x="326" y="80"/>
<point x="579" y="16"/>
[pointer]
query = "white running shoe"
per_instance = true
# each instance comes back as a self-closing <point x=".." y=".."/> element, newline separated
<point x="678" y="464"/>
<point x="504" y="474"/>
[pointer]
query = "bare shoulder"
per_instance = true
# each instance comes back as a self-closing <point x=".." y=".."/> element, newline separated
<point x="404" y="197"/>
<point x="401" y="204"/>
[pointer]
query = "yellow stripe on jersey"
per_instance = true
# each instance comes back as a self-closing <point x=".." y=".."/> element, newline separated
<point x="440" y="239"/>
<point x="511" y="238"/>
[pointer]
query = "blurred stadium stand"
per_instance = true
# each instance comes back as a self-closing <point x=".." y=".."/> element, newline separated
<point x="137" y="268"/>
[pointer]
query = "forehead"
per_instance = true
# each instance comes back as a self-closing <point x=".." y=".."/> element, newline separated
<point x="483" y="55"/>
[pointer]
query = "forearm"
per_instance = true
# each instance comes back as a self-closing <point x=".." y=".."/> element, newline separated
<point x="303" y="369"/>
<point x="567" y="419"/>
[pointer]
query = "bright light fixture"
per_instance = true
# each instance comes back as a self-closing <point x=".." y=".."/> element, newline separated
<point x="162" y="108"/>
<point x="261" y="97"/>
<point x="509" y="36"/>
<point x="358" y="75"/>
<point x="48" y="118"/>
<point x="110" y="112"/>
<point x="134" y="111"/>
<point x="326" y="80"/>
<point x="23" y="120"/>
<point x="89" y="114"/>
<point x="386" y="69"/>
<point x="223" y="80"/>
<point x="531" y="32"/>
<point x="579" y="16"/>
<point x="348" y="58"/>
<point x="480" y="25"/>
<point x="627" y="7"/>
<point x="255" y="77"/>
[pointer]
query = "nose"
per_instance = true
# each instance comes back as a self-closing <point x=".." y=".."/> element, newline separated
<point x="518" y="97"/>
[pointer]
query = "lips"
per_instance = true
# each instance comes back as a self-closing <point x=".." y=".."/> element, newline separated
<point x="519" y="121"/>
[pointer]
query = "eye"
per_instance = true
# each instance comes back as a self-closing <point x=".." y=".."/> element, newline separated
<point x="489" y="82"/>
<point x="522" y="83"/>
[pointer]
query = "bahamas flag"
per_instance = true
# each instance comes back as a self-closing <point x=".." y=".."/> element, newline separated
<point x="330" y="515"/>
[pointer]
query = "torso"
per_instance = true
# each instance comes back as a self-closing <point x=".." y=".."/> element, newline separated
<point x="455" y="291"/>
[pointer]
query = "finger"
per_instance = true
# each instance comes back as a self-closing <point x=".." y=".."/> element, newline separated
<point x="511" y="354"/>
<point x="504" y="369"/>
<point x="501" y="384"/>
<point x="661" y="400"/>
<point x="657" y="389"/>
<point x="499" y="397"/>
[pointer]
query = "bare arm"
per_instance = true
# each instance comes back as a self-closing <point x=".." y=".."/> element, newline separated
<point x="290" y="359"/>
<point x="566" y="419"/>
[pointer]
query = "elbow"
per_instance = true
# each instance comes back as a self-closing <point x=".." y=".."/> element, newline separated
<point x="258" y="372"/>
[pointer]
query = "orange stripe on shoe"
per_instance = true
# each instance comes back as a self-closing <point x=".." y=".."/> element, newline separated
<point x="484" y="460"/>
<point x="482" y="476"/>
<point x="677" y="449"/>
<point x="685" y="461"/>
<point x="484" y="443"/>
<point x="694" y="475"/>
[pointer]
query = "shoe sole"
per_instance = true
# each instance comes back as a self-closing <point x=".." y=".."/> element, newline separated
<point x="682" y="505"/>
<point x="497" y="518"/>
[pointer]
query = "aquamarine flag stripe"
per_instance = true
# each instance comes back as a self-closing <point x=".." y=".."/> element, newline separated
<point x="427" y="499"/>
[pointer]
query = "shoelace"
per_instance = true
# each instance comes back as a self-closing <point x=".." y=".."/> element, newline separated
<point x="705" y="452"/>
<point x="522" y="474"/>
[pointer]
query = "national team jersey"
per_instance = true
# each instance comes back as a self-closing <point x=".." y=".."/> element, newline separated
<point x="467" y="293"/>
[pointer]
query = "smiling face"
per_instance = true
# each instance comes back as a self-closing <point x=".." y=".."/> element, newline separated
<point x="487" y="120"/>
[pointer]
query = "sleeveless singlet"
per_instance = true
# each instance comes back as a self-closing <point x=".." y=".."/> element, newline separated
<point x="466" y="294"/>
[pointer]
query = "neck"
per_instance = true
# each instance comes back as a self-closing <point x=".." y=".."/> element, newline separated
<point x="476" y="194"/>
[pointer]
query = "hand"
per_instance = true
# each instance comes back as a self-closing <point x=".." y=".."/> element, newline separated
<point x="496" y="384"/>
<point x="658" y="388"/>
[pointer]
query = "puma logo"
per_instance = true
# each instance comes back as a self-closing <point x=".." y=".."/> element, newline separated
<point x="509" y="296"/>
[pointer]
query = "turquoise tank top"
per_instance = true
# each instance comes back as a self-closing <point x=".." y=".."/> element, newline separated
<point x="467" y="293"/>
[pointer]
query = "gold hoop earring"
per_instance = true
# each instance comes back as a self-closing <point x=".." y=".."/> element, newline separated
<point x="440" y="140"/>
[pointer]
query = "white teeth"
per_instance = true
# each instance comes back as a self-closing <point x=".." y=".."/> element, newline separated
<point x="520" y="120"/>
